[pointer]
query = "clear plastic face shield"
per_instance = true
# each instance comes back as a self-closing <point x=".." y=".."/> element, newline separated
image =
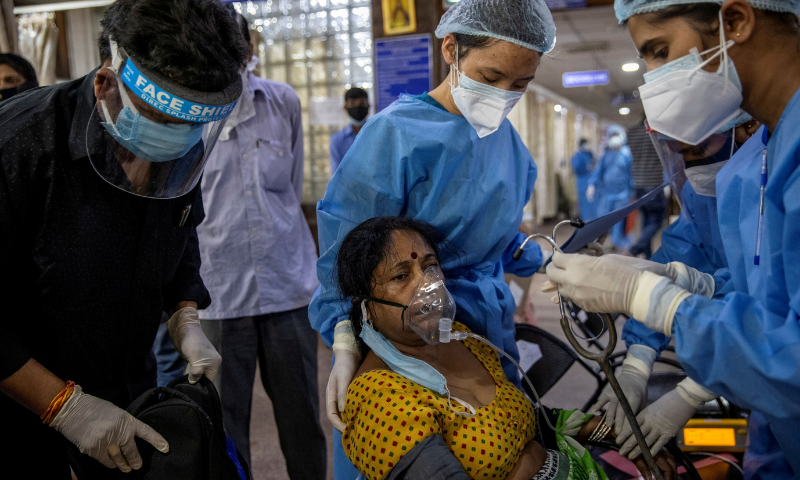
<point x="157" y="134"/>
<point x="697" y="164"/>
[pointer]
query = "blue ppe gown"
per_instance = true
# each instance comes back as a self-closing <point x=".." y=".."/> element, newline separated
<point x="414" y="158"/>
<point x="695" y="240"/>
<point x="613" y="181"/>
<point x="582" y="163"/>
<point x="746" y="347"/>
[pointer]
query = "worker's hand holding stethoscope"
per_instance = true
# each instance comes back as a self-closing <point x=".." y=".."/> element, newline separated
<point x="619" y="284"/>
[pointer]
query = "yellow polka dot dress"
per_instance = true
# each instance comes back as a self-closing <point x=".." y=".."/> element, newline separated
<point x="387" y="415"/>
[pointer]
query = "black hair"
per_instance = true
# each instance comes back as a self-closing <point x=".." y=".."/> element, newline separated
<point x="244" y="26"/>
<point x="582" y="141"/>
<point x="365" y="247"/>
<point x="23" y="67"/>
<point x="354" y="93"/>
<point x="194" y="43"/>
<point x="701" y="16"/>
<point x="468" y="43"/>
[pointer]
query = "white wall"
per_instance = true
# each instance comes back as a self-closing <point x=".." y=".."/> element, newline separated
<point x="83" y="28"/>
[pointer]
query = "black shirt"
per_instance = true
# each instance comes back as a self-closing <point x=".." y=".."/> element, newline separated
<point x="86" y="269"/>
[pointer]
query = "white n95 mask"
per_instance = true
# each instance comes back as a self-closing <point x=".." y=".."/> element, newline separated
<point x="689" y="104"/>
<point x="483" y="106"/>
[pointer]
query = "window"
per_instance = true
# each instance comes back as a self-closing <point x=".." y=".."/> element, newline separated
<point x="321" y="48"/>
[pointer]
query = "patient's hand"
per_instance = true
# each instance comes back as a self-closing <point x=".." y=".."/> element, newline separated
<point x="530" y="462"/>
<point x="664" y="461"/>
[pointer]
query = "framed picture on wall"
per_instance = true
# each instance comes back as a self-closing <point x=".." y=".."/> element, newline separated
<point x="399" y="17"/>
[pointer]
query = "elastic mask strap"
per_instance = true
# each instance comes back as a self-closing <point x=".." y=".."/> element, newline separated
<point x="386" y="302"/>
<point x="470" y="409"/>
<point x="454" y="73"/>
<point x="723" y="51"/>
<point x="108" y="116"/>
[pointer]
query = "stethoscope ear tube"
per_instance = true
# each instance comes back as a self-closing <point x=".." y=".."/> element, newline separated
<point x="602" y="358"/>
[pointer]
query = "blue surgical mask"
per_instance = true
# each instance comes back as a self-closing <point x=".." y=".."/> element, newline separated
<point x="149" y="140"/>
<point x="413" y="369"/>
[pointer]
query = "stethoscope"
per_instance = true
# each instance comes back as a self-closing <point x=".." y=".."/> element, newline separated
<point x="601" y="358"/>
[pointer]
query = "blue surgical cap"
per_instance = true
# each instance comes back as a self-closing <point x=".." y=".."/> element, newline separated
<point x="625" y="9"/>
<point x="527" y="23"/>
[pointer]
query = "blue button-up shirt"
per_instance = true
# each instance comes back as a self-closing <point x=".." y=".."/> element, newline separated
<point x="341" y="142"/>
<point x="258" y="255"/>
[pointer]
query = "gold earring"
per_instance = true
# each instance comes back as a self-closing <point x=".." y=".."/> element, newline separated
<point x="738" y="34"/>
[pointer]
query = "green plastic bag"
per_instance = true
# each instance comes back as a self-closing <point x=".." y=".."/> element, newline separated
<point x="581" y="464"/>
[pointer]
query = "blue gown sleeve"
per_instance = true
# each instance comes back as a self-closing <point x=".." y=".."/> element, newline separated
<point x="597" y="173"/>
<point x="737" y="348"/>
<point x="680" y="242"/>
<point x="531" y="259"/>
<point x="581" y="163"/>
<point x="528" y="264"/>
<point x="372" y="184"/>
<point x="747" y="348"/>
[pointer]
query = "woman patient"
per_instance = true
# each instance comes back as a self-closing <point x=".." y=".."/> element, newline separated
<point x="422" y="409"/>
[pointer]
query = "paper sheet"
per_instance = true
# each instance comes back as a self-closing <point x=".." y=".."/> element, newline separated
<point x="529" y="354"/>
<point x="517" y="292"/>
<point x="597" y="227"/>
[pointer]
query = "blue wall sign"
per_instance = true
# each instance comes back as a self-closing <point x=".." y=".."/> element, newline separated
<point x="585" y="79"/>
<point x="564" y="4"/>
<point x="402" y="65"/>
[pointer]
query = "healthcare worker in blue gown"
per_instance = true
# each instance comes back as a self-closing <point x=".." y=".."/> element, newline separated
<point x="450" y="158"/>
<point x="611" y="184"/>
<point x="695" y="239"/>
<point x="582" y="163"/>
<point x="745" y="343"/>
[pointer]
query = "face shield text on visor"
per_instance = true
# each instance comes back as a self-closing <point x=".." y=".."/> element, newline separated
<point x="155" y="135"/>
<point x="697" y="164"/>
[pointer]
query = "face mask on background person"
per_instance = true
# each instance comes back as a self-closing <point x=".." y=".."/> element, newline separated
<point x="357" y="115"/>
<point x="484" y="106"/>
<point x="615" y="142"/>
<point x="687" y="103"/>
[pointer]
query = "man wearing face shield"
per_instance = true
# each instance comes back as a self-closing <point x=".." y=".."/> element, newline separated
<point x="98" y="208"/>
<point x="451" y="158"/>
<point x="743" y="346"/>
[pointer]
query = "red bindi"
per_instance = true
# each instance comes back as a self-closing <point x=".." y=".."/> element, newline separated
<point x="414" y="255"/>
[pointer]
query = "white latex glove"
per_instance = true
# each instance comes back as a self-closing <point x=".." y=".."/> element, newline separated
<point x="633" y="378"/>
<point x="593" y="249"/>
<point x="104" y="431"/>
<point x="632" y="262"/>
<point x="662" y="420"/>
<point x="690" y="279"/>
<point x="597" y="284"/>
<point x="347" y="359"/>
<point x="193" y="345"/>
<point x="590" y="193"/>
